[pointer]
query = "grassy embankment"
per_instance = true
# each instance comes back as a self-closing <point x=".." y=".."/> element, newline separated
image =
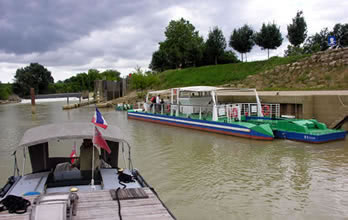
<point x="220" y="74"/>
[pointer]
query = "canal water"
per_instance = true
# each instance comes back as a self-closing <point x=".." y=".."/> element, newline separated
<point x="203" y="175"/>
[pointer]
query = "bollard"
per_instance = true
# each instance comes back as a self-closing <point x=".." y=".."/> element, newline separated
<point x="32" y="94"/>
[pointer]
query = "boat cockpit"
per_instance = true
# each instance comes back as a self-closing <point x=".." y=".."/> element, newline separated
<point x="50" y="173"/>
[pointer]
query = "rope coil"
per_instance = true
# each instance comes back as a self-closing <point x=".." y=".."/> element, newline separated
<point x="15" y="204"/>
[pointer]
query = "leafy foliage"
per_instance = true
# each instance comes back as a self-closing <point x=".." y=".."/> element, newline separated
<point x="215" y="44"/>
<point x="5" y="91"/>
<point x="228" y="57"/>
<point x="182" y="43"/>
<point x="317" y="42"/>
<point x="141" y="81"/>
<point x="111" y="75"/>
<point x="340" y="31"/>
<point x="269" y="37"/>
<point x="84" y="81"/>
<point x="160" y="61"/>
<point x="182" y="47"/>
<point x="33" y="76"/>
<point x="297" y="31"/>
<point x="293" y="51"/>
<point x="242" y="39"/>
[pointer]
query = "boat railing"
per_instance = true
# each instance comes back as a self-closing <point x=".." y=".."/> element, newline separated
<point x="250" y="109"/>
<point x="230" y="112"/>
<point x="201" y="111"/>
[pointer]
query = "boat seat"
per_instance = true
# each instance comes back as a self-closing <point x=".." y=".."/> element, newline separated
<point x="57" y="206"/>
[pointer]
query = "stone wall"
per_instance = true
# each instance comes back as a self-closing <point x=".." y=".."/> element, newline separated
<point x="326" y="69"/>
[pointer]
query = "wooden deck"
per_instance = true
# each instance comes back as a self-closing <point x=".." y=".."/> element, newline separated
<point x="100" y="205"/>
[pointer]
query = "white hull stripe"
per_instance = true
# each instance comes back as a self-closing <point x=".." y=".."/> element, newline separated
<point x="190" y="122"/>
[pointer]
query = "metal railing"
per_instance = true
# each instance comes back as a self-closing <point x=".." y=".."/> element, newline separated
<point x="229" y="111"/>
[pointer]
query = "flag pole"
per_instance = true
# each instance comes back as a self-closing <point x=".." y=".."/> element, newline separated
<point x="92" y="181"/>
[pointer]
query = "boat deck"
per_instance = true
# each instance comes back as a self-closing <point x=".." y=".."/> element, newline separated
<point x="100" y="205"/>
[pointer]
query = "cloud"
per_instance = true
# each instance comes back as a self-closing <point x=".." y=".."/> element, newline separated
<point x="69" y="37"/>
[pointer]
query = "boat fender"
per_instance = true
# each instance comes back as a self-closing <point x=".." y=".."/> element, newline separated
<point x="265" y="110"/>
<point x="15" y="204"/>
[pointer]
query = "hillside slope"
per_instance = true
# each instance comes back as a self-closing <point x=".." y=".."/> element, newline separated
<point x="323" y="70"/>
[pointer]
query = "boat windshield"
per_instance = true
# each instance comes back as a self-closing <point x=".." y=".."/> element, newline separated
<point x="72" y="177"/>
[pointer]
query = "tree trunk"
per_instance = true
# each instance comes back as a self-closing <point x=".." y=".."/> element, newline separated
<point x="215" y="60"/>
<point x="268" y="53"/>
<point x="241" y="56"/>
<point x="246" y="57"/>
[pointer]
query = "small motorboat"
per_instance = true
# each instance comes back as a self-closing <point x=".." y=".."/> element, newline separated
<point x="55" y="189"/>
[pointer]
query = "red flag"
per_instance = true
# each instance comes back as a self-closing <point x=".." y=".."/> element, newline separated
<point x="73" y="154"/>
<point x="99" y="141"/>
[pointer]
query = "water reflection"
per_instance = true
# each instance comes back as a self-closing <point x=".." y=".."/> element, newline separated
<point x="202" y="175"/>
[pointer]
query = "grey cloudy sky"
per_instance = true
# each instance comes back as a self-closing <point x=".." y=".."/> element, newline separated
<point x="70" y="37"/>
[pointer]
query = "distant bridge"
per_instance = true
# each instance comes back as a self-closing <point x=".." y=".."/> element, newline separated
<point x="59" y="95"/>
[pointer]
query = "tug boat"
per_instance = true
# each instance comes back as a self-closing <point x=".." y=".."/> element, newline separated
<point x="54" y="189"/>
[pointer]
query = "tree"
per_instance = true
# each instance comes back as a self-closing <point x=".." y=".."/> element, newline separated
<point x="215" y="44"/>
<point x="111" y="75"/>
<point x="297" y="31"/>
<point x="195" y="54"/>
<point x="182" y="43"/>
<point x="293" y="51"/>
<point x="93" y="75"/>
<point x="228" y="57"/>
<point x="242" y="40"/>
<point x="140" y="80"/>
<point x="160" y="61"/>
<point x="269" y="37"/>
<point x="340" y="31"/>
<point x="33" y="76"/>
<point x="317" y="42"/>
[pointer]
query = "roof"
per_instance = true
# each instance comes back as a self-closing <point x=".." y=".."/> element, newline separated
<point x="160" y="92"/>
<point x="45" y="133"/>
<point x="199" y="88"/>
<point x="202" y="89"/>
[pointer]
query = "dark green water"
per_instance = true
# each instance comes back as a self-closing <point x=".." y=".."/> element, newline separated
<point x="202" y="175"/>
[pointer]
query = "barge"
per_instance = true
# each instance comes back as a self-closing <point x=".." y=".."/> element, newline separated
<point x="197" y="107"/>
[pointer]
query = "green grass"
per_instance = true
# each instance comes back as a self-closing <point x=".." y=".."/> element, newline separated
<point x="220" y="74"/>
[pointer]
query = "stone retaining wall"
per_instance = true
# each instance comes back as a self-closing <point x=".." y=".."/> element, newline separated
<point x="326" y="69"/>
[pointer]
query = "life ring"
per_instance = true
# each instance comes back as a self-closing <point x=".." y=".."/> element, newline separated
<point x="265" y="110"/>
<point x="234" y="112"/>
